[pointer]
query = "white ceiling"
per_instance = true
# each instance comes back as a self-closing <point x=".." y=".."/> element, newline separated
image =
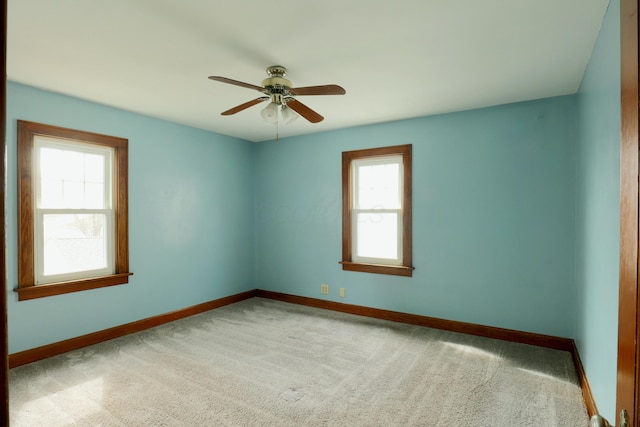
<point x="396" y="59"/>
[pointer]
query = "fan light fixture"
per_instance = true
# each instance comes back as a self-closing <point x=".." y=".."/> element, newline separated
<point x="288" y="115"/>
<point x="270" y="113"/>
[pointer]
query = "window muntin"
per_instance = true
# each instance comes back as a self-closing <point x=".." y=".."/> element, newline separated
<point x="87" y="202"/>
<point x="376" y="210"/>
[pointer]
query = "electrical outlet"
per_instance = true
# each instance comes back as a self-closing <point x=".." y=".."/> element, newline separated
<point x="342" y="292"/>
<point x="324" y="289"/>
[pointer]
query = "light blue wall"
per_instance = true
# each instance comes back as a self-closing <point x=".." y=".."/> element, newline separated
<point x="598" y="213"/>
<point x="191" y="207"/>
<point x="493" y="231"/>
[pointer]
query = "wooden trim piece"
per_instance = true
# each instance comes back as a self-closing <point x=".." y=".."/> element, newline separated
<point x="121" y="207"/>
<point x="26" y="226"/>
<point x="39" y="353"/>
<point x="587" y="395"/>
<point x="407" y="208"/>
<point x="35" y="128"/>
<point x="627" y="377"/>
<point x="548" y="341"/>
<point x="395" y="270"/>
<point x="50" y="289"/>
<point x="346" y="209"/>
<point x="4" y="370"/>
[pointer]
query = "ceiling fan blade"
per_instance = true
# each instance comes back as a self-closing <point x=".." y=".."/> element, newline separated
<point x="318" y="90"/>
<point x="304" y="111"/>
<point x="244" y="106"/>
<point x="236" y="82"/>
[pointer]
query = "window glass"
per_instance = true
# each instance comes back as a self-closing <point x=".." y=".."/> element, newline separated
<point x="72" y="176"/>
<point x="74" y="243"/>
<point x="377" y="207"/>
<point x="378" y="184"/>
<point x="74" y="236"/>
<point x="377" y="236"/>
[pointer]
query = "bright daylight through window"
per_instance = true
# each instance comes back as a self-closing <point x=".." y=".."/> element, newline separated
<point x="377" y="210"/>
<point x="72" y="210"/>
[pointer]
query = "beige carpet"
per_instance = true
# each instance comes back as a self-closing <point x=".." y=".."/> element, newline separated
<point x="267" y="363"/>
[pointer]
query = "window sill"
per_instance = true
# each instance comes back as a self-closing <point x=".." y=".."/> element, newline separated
<point x="394" y="270"/>
<point x="51" y="289"/>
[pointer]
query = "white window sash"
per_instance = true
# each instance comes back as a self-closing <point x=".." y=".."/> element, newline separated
<point x="40" y="277"/>
<point x="355" y="210"/>
<point x="40" y="213"/>
<point x="374" y="161"/>
<point x="354" y="237"/>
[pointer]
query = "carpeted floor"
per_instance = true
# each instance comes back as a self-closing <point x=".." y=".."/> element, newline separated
<point x="268" y="363"/>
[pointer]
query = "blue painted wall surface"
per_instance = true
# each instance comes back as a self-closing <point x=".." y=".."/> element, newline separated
<point x="493" y="231"/>
<point x="191" y="208"/>
<point x="598" y="213"/>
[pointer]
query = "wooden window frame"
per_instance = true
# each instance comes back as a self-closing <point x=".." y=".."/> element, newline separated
<point x="406" y="269"/>
<point x="27" y="289"/>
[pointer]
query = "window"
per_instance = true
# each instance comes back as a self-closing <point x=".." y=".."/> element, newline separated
<point x="376" y="210"/>
<point x="72" y="211"/>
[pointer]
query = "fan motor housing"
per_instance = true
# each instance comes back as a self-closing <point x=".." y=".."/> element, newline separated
<point x="276" y="81"/>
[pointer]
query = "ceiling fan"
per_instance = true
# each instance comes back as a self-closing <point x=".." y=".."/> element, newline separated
<point x="282" y="96"/>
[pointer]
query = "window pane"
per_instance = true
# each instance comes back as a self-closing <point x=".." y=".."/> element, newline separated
<point x="94" y="195"/>
<point x="72" y="194"/>
<point x="69" y="179"/>
<point x="377" y="235"/>
<point x="61" y="164"/>
<point x="378" y="186"/>
<point x="51" y="193"/>
<point x="94" y="168"/>
<point x="74" y="242"/>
